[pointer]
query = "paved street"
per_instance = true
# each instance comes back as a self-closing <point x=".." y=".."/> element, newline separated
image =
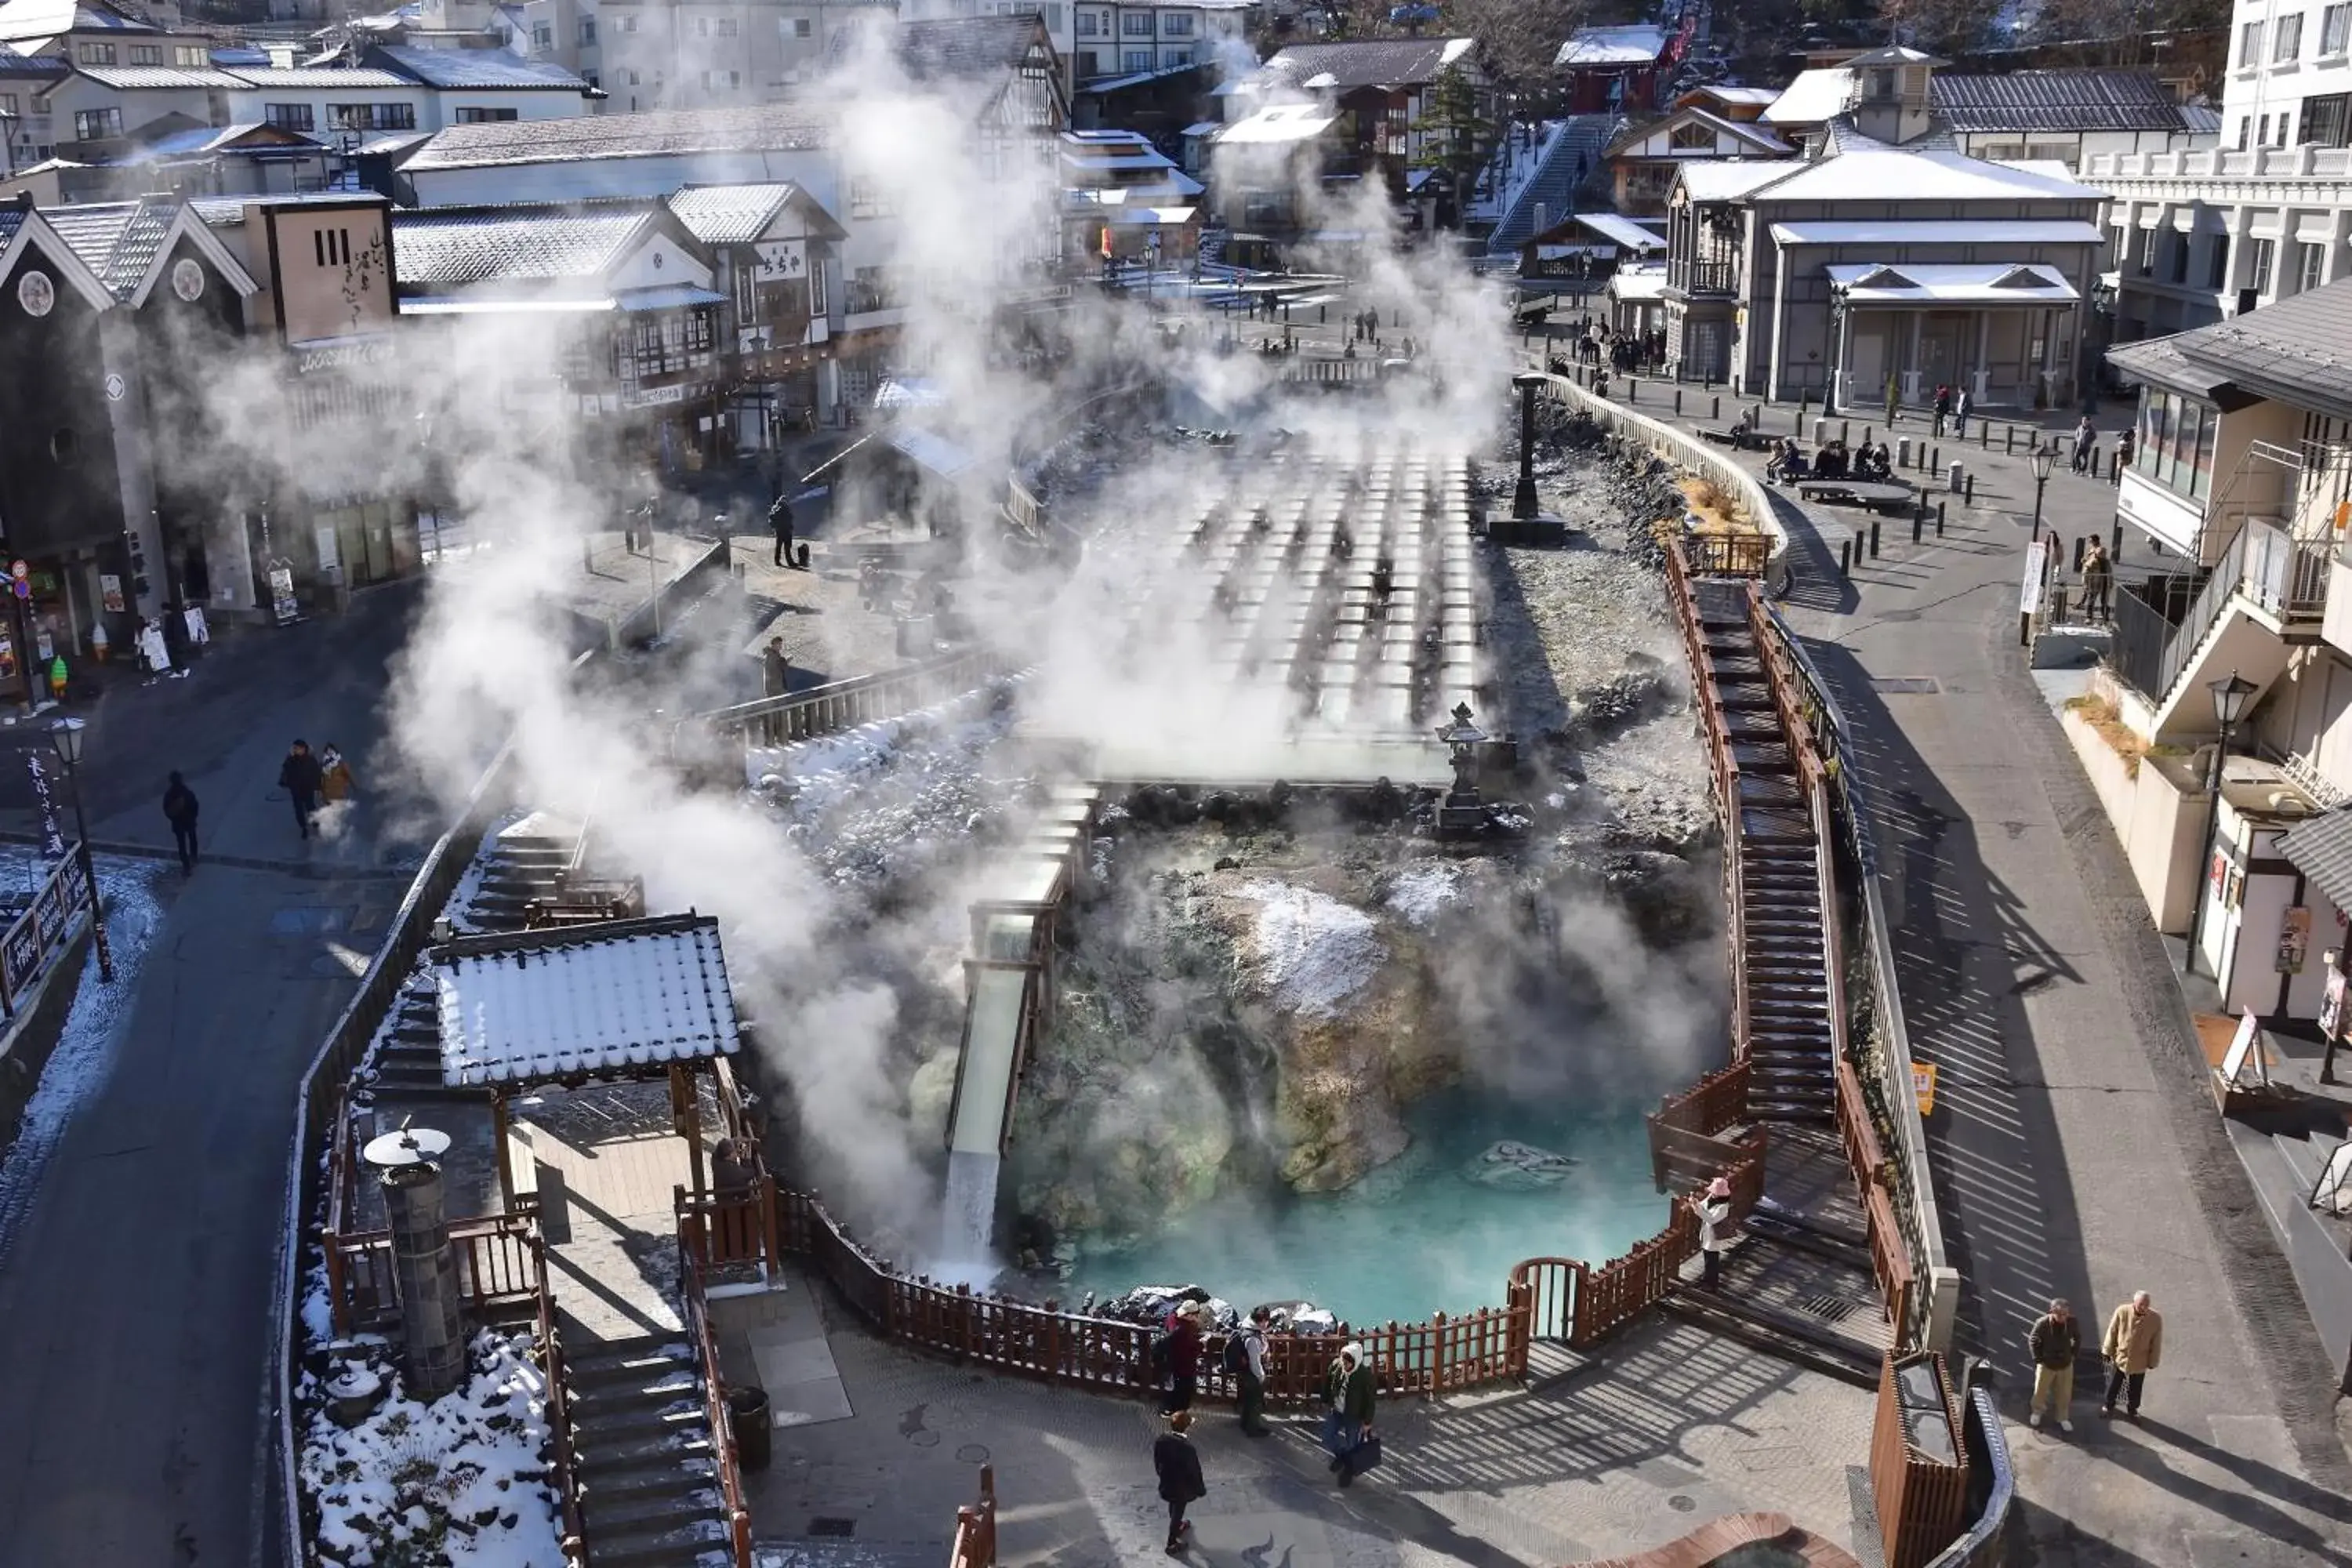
<point x="2076" y="1153"/>
<point x="136" y="1261"/>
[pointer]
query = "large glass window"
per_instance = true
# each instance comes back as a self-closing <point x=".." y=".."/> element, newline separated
<point x="95" y="54"/>
<point x="2290" y="38"/>
<point x="2250" y="43"/>
<point x="2174" y="444"/>
<point x="97" y="124"/>
<point x="2311" y="260"/>
<point x="2335" y="28"/>
<point x="371" y="116"/>
<point x="290" y="116"/>
<point x="2326" y="121"/>
<point x="2264" y="259"/>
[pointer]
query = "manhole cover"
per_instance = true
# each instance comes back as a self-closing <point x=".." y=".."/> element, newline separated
<point x="827" y="1524"/>
<point x="1828" y="1308"/>
<point x="1922" y="685"/>
<point x="1680" y="1504"/>
<point x="924" y="1439"/>
<point x="972" y="1454"/>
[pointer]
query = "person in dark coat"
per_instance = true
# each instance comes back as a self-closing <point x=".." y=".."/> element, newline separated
<point x="1183" y="1357"/>
<point x="1178" y="1465"/>
<point x="1348" y="1425"/>
<point x="2054" y="1344"/>
<point x="780" y="524"/>
<point x="775" y="669"/>
<point x="301" y="778"/>
<point x="180" y="811"/>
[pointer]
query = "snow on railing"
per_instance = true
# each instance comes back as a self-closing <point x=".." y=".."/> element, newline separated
<point x="2212" y="162"/>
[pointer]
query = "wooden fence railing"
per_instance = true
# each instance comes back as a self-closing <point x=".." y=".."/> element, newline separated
<point x="498" y="1270"/>
<point x="975" y="1536"/>
<point x="564" y="1463"/>
<point x="1723" y="765"/>
<point x="726" y="1454"/>
<point x="43" y="929"/>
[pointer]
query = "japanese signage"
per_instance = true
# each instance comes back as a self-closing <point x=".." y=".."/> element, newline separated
<point x="782" y="260"/>
<point x="1923" y="1087"/>
<point x="2029" y="599"/>
<point x="109" y="590"/>
<point x="281" y="594"/>
<point x="332" y="356"/>
<point x="53" y="838"/>
<point x="656" y="398"/>
<point x="2294" y="939"/>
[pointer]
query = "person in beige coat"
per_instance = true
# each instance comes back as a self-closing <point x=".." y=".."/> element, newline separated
<point x="2133" y="1346"/>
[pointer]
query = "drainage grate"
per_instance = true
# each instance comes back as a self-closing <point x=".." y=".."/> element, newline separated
<point x="1828" y="1308"/>
<point x="1902" y="685"/>
<point x="826" y="1524"/>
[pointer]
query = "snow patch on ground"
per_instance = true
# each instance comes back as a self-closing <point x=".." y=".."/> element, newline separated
<point x="1312" y="951"/>
<point x="1422" y="893"/>
<point x="461" y="1481"/>
<point x="78" y="1069"/>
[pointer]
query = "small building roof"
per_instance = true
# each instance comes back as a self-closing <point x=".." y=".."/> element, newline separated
<point x="322" y="76"/>
<point x="1632" y="284"/>
<point x="1992" y="283"/>
<point x="1759" y="139"/>
<point x="139" y="78"/>
<point x="1284" y="122"/>
<point x="582" y="1000"/>
<point x="793" y="126"/>
<point x="2059" y="100"/>
<point x="1622" y="231"/>
<point x="738" y="214"/>
<point x="1368" y="62"/>
<point x="1896" y="231"/>
<point x="476" y="70"/>
<point x="1894" y="175"/>
<point x="1728" y="179"/>
<point x="1640" y="44"/>
<point x="2293" y="353"/>
<point x="1815" y="98"/>
<point x="1760" y="97"/>
<point x="193" y="140"/>
<point x="1103" y="84"/>
<point x="1894" y="55"/>
<point x="948" y="47"/>
<point x="17" y="66"/>
<point x="2321" y="849"/>
<point x="514" y="243"/>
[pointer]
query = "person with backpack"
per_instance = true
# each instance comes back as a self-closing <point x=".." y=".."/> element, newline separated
<point x="1178" y="1465"/>
<point x="1348" y="1424"/>
<point x="1244" y="1362"/>
<point x="1183" y="1352"/>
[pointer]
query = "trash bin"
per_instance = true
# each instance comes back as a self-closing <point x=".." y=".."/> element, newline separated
<point x="753" y="1436"/>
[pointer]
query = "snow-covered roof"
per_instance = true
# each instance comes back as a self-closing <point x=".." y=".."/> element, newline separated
<point x="1933" y="232"/>
<point x="1815" y="97"/>
<point x="1638" y="45"/>
<point x="1368" y="62"/>
<point x="1722" y="94"/>
<point x="909" y="392"/>
<point x="1894" y="55"/>
<point x="578" y="1000"/>
<point x="477" y="69"/>
<point x="1898" y="177"/>
<point x="1727" y="179"/>
<point x="739" y="215"/>
<point x="1150" y="217"/>
<point x="1282" y="123"/>
<point x="140" y="79"/>
<point x="1622" y="230"/>
<point x="1632" y="284"/>
<point x="322" y="76"/>
<point x="1994" y="283"/>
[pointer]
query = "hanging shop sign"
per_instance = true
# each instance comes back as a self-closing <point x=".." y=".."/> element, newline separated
<point x="110" y="591"/>
<point x="2294" y="939"/>
<point x="281" y="594"/>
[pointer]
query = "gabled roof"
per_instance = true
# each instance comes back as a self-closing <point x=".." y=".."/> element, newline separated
<point x="2297" y="352"/>
<point x="124" y="243"/>
<point x="1284" y="122"/>
<point x="1997" y="282"/>
<point x="967" y="47"/>
<point x="762" y="128"/>
<point x="1368" y="62"/>
<point x="16" y="66"/>
<point x="29" y="229"/>
<point x="2055" y="101"/>
<point x="1761" y="139"/>
<point x="606" y="998"/>
<point x="536" y="244"/>
<point x="477" y="70"/>
<point x="1638" y="45"/>
<point x="1906" y="176"/>
<point x="739" y="215"/>
<point x="196" y="140"/>
<point x="322" y="76"/>
<point x="1893" y="55"/>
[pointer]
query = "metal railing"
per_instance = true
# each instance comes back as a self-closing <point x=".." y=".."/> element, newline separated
<point x="844" y="704"/>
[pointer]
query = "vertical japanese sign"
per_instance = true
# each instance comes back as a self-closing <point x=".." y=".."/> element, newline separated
<point x="53" y="838"/>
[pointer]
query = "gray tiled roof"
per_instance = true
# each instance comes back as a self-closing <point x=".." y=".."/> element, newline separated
<point x="12" y="218"/>
<point x="512" y="243"/>
<point x="133" y="78"/>
<point x="322" y="76"/>
<point x="2297" y="352"/>
<point x="1366" y="62"/>
<point x="967" y="46"/>
<point x="48" y="19"/>
<point x="2321" y="849"/>
<point x="729" y="215"/>
<point x="2055" y="100"/>
<point x="763" y="127"/>
<point x="480" y="68"/>
<point x="19" y="66"/>
<point x="117" y="240"/>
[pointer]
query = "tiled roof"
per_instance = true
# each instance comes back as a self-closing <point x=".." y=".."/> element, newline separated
<point x="475" y="68"/>
<point x="214" y="139"/>
<point x="17" y="66"/>
<point x="1370" y="62"/>
<point x="322" y="76"/>
<point x="2297" y="352"/>
<point x="763" y="128"/>
<point x="967" y="46"/>
<point x="729" y="215"/>
<point x="12" y="218"/>
<point x="228" y="212"/>
<point x="2321" y="849"/>
<point x="2055" y="100"/>
<point x="117" y="240"/>
<point x="609" y="998"/>
<point x="137" y="77"/>
<point x="512" y="243"/>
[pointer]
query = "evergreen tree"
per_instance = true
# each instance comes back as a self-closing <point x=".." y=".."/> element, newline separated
<point x="1455" y="132"/>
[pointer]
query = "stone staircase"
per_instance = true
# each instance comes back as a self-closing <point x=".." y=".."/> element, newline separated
<point x="1553" y="186"/>
<point x="646" y="1466"/>
<point x="408" y="1059"/>
<point x="526" y="867"/>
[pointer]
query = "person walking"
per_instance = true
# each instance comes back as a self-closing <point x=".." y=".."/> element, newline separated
<point x="780" y="524"/>
<point x="1178" y="1465"/>
<point x="1943" y="408"/>
<point x="2133" y="1346"/>
<point x="1183" y="1357"/>
<point x="180" y="811"/>
<point x="2086" y="442"/>
<point x="2099" y="579"/>
<point x="335" y="782"/>
<point x="1249" y="1372"/>
<point x="298" y="775"/>
<point x="1961" y="409"/>
<point x="1714" y="1210"/>
<point x="2054" y="1342"/>
<point x="1348" y="1423"/>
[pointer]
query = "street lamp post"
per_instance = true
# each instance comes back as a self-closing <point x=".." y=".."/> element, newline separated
<point x="2045" y="459"/>
<point x="2231" y="696"/>
<point x="66" y="734"/>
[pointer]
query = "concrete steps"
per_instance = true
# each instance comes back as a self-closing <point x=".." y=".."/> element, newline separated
<point x="644" y="1456"/>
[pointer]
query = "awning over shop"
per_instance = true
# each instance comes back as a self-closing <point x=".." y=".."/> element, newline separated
<point x="1622" y="231"/>
<point x="2321" y="849"/>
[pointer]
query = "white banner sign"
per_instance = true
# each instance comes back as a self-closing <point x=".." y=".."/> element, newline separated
<point x="2029" y="598"/>
<point x="782" y="260"/>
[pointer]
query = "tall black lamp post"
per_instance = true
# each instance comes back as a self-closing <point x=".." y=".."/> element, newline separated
<point x="2045" y="459"/>
<point x="66" y="734"/>
<point x="2231" y="696"/>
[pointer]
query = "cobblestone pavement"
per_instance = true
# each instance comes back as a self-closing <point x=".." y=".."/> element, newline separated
<point x="2075" y="1152"/>
<point x="1673" y="1426"/>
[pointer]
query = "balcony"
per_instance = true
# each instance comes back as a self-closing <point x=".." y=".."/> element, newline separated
<point x="2175" y="633"/>
<point x="1713" y="278"/>
<point x="2213" y="163"/>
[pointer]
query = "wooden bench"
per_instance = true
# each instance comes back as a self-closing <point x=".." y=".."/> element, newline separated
<point x="1867" y="493"/>
<point x="1727" y="435"/>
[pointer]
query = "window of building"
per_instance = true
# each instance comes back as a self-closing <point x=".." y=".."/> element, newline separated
<point x="542" y="38"/>
<point x="627" y="23"/>
<point x="869" y="199"/>
<point x="2245" y="131"/>
<point x="2176" y="257"/>
<point x="2258" y="271"/>
<point x="192" y="56"/>
<point x="2174" y="444"/>
<point x="2285" y="125"/>
<point x="372" y="117"/>
<point x="2310" y="263"/>
<point x="332" y="246"/>
<point x="1136" y="61"/>
<point x="2290" y="38"/>
<point x="1173" y="58"/>
<point x="7" y="103"/>
<point x="716" y="81"/>
<point x="636" y="80"/>
<point x="2217" y="269"/>
<point x="1135" y="24"/>
<point x="97" y="124"/>
<point x="2335" y="28"/>
<point x="728" y="28"/>
<point x="801" y="27"/>
<point x="2328" y="119"/>
<point x="475" y="115"/>
<point x="2250" y="43"/>
<point x="590" y="79"/>
<point x="1177" y="25"/>
<point x="1052" y="13"/>
<point x="146" y="54"/>
<point x="1090" y="64"/>
<point x="870" y="288"/>
<point x="587" y="31"/>
<point x="289" y="116"/>
<point x="1087" y="25"/>
<point x="91" y="53"/>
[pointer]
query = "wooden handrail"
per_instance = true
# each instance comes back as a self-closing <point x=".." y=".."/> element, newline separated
<point x="1725" y="767"/>
<point x="714" y="1399"/>
<point x="564" y="1461"/>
